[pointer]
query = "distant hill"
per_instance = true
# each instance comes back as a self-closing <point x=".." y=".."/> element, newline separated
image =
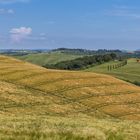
<point x="86" y="52"/>
<point x="47" y="58"/>
<point x="44" y="57"/>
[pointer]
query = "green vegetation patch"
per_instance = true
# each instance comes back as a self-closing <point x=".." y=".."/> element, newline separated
<point x="48" y="58"/>
<point x="129" y="72"/>
<point x="83" y="62"/>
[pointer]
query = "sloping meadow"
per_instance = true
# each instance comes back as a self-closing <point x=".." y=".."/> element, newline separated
<point x="38" y="103"/>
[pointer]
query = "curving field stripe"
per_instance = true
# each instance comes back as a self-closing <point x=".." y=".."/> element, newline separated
<point x="129" y="114"/>
<point x="13" y="72"/>
<point x="88" y="109"/>
<point x="97" y="107"/>
<point x="103" y="95"/>
<point x="79" y="87"/>
<point x="63" y="79"/>
<point x="32" y="76"/>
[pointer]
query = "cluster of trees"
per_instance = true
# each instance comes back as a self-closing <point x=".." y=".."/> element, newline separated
<point x="116" y="66"/>
<point x="83" y="62"/>
<point x="136" y="83"/>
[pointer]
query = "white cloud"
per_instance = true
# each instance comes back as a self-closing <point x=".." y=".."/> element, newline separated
<point x="6" y="11"/>
<point x="18" y="34"/>
<point x="124" y="11"/>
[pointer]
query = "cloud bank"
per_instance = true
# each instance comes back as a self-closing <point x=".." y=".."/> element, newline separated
<point x="6" y="11"/>
<point x="19" y="34"/>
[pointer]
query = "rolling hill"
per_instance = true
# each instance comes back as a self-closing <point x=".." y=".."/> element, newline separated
<point x="38" y="103"/>
<point x="130" y="72"/>
<point x="48" y="58"/>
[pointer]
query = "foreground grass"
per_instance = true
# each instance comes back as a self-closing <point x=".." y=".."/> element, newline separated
<point x="130" y="72"/>
<point x="71" y="128"/>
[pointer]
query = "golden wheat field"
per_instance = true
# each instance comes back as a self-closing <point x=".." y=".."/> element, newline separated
<point x="38" y="103"/>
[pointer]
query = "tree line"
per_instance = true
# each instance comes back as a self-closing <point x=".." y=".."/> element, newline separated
<point x="116" y="66"/>
<point x="83" y="62"/>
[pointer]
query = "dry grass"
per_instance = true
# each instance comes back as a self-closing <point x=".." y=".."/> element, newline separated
<point x="49" y="97"/>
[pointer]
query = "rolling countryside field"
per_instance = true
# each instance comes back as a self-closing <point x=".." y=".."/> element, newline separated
<point x="130" y="72"/>
<point x="69" y="70"/>
<point x="48" y="58"/>
<point x="43" y="104"/>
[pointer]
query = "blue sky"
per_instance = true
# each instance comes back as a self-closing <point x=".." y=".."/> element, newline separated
<point x="90" y="24"/>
